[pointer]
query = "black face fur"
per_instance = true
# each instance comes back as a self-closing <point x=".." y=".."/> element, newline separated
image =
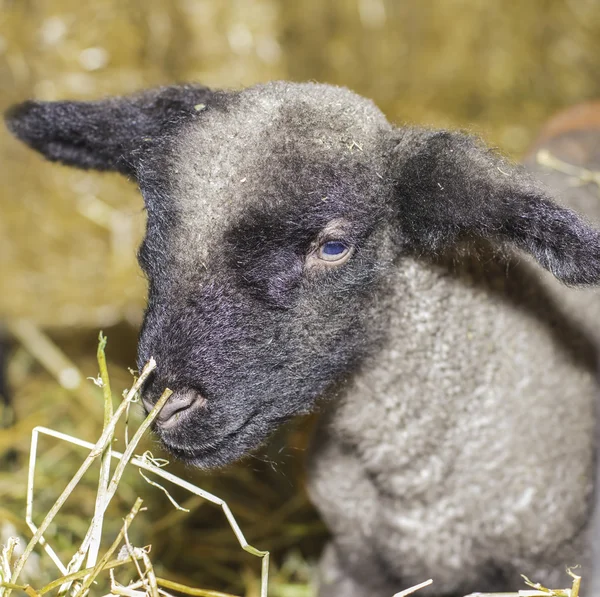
<point x="243" y="191"/>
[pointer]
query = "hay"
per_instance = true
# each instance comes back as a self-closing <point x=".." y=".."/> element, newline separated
<point x="72" y="581"/>
<point x="178" y="545"/>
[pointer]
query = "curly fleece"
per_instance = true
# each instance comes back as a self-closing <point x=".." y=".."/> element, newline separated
<point x="457" y="380"/>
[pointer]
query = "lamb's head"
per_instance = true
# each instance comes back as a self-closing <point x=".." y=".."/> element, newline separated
<point x="275" y="216"/>
<point x="255" y="208"/>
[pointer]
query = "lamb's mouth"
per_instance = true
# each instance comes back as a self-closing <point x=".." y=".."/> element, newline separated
<point x="222" y="450"/>
<point x="201" y="457"/>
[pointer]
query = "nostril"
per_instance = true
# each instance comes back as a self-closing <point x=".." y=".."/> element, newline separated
<point x="147" y="402"/>
<point x="177" y="404"/>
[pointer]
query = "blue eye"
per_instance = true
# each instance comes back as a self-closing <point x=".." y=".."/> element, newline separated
<point x="334" y="251"/>
<point x="334" y="248"/>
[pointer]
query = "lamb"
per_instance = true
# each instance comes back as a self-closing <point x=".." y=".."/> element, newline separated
<point x="302" y="251"/>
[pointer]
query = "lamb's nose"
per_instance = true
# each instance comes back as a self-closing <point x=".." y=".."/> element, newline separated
<point x="176" y="406"/>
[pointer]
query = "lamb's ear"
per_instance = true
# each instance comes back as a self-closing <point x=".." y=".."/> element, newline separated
<point x="450" y="186"/>
<point x="105" y="134"/>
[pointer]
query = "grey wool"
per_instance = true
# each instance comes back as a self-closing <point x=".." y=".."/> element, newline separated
<point x="302" y="252"/>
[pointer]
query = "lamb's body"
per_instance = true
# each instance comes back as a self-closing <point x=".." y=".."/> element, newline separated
<point x="464" y="450"/>
<point x="299" y="245"/>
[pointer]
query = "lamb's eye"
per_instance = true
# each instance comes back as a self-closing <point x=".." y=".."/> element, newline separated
<point x="335" y="251"/>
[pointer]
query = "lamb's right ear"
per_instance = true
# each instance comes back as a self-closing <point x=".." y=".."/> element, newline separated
<point x="105" y="134"/>
<point x="449" y="186"/>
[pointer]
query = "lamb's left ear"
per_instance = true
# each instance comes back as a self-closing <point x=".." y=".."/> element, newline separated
<point x="451" y="187"/>
<point x="105" y="134"/>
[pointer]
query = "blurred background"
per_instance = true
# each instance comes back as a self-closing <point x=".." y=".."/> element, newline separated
<point x="68" y="238"/>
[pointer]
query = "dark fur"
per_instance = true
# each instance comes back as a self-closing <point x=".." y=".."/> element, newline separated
<point x="244" y="320"/>
<point x="451" y="186"/>
<point x="103" y="135"/>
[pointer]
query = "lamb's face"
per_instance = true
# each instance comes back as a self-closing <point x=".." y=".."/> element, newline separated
<point x="264" y="249"/>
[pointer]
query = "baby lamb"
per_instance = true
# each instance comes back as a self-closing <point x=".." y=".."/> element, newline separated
<point x="302" y="250"/>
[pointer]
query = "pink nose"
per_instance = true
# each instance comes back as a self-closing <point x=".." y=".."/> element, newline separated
<point x="176" y="406"/>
